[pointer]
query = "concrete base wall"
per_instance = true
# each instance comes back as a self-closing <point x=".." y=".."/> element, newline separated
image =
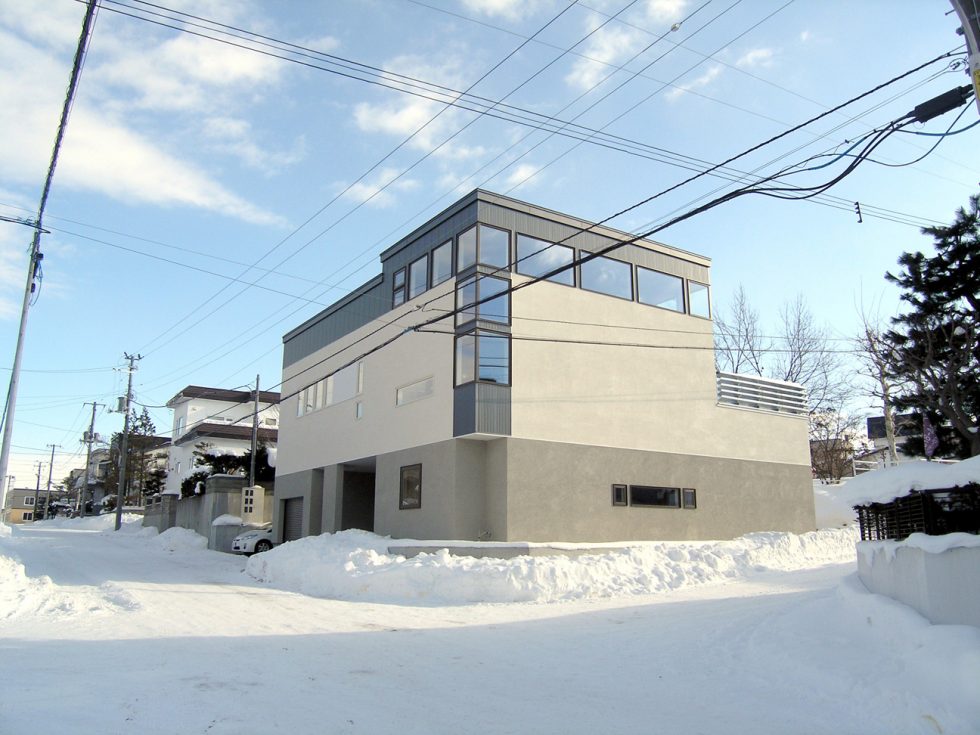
<point x="942" y="587"/>
<point x="510" y="489"/>
<point x="222" y="496"/>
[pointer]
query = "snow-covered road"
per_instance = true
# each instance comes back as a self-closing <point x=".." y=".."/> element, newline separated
<point x="123" y="633"/>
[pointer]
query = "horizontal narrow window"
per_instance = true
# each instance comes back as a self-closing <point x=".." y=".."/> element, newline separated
<point x="660" y="497"/>
<point x="537" y="257"/>
<point x="608" y="276"/>
<point x="414" y="392"/>
<point x="442" y="263"/>
<point x="660" y="289"/>
<point x="699" y="301"/>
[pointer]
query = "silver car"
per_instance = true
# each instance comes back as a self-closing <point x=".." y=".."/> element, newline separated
<point x="254" y="540"/>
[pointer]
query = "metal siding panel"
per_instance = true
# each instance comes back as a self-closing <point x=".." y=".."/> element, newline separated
<point x="464" y="410"/>
<point x="492" y="409"/>
<point x="368" y="306"/>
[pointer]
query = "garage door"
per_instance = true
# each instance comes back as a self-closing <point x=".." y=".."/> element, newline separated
<point x="292" y="519"/>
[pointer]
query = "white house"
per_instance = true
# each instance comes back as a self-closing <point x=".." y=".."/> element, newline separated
<point x="220" y="419"/>
<point x="581" y="407"/>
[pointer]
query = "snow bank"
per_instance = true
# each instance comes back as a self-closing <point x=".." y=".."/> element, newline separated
<point x="104" y="522"/>
<point x="883" y="486"/>
<point x="831" y="510"/>
<point x="355" y="565"/>
<point x="227" y="520"/>
<point x="179" y="539"/>
<point x="4" y="530"/>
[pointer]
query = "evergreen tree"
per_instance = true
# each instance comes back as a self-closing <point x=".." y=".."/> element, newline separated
<point x="935" y="354"/>
<point x="144" y="473"/>
<point x="226" y="463"/>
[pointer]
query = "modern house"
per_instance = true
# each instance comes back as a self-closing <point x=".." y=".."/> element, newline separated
<point x="219" y="419"/>
<point x="494" y="382"/>
<point x="18" y="506"/>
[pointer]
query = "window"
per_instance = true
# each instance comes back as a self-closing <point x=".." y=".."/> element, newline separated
<point x="660" y="289"/>
<point x="29" y="500"/>
<point x="485" y="245"/>
<point x="415" y="391"/>
<point x="358" y="410"/>
<point x="483" y="356"/>
<point x="690" y="496"/>
<point x="477" y="288"/>
<point x="28" y="515"/>
<point x="537" y="257"/>
<point x="410" y="487"/>
<point x="619" y="494"/>
<point x="398" y="288"/>
<point x="270" y="422"/>
<point x="442" y="263"/>
<point x="344" y="384"/>
<point x="418" y="277"/>
<point x="248" y="500"/>
<point x="181" y="423"/>
<point x="608" y="276"/>
<point x="698" y="299"/>
<point x="659" y="497"/>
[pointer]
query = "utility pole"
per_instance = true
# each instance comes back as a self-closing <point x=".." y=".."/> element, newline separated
<point x="36" y="256"/>
<point x="124" y="448"/>
<point x="255" y="435"/>
<point x="47" y="494"/>
<point x="37" y="488"/>
<point x="88" y="438"/>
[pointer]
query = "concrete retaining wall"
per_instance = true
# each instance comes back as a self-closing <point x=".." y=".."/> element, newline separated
<point x="943" y="587"/>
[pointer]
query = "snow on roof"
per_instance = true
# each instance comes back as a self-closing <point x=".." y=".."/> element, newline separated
<point x="883" y="486"/>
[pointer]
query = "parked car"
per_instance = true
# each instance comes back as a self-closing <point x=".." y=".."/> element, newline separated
<point x="254" y="540"/>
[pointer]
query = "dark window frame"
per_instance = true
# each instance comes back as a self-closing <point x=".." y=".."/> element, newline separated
<point x="675" y="490"/>
<point x="581" y="279"/>
<point x="478" y="255"/>
<point x="474" y="314"/>
<point x="517" y="259"/>
<point x="693" y="505"/>
<point x="476" y="334"/>
<point x="432" y="263"/>
<point x="683" y="289"/>
<point x="406" y="502"/>
<point x="410" y="282"/>
<point x="396" y="289"/>
<point x="620" y="495"/>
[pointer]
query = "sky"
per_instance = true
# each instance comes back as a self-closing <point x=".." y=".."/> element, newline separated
<point x="208" y="198"/>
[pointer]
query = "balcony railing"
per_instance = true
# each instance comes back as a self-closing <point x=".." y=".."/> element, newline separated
<point x="761" y="394"/>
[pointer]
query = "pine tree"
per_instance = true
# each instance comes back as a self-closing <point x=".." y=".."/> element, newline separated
<point x="935" y="354"/>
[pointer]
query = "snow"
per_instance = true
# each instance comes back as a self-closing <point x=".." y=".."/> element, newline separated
<point x="135" y="632"/>
<point x="922" y="541"/>
<point x="227" y="520"/>
<point x="884" y="485"/>
<point x="356" y="565"/>
<point x="831" y="510"/>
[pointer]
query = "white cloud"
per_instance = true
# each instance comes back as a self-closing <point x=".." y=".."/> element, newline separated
<point x="665" y="11"/>
<point x="805" y="36"/>
<point x="522" y="175"/>
<point x="111" y="145"/>
<point x="510" y="9"/>
<point x="380" y="192"/>
<point x="234" y="136"/>
<point x="757" y="57"/>
<point x="611" y="45"/>
<point x="704" y="80"/>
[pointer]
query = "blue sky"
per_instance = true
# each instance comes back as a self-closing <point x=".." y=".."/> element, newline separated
<point x="187" y="160"/>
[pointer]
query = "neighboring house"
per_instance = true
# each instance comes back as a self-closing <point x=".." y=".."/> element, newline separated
<point x="906" y="424"/>
<point x="220" y="418"/>
<point x="98" y="469"/>
<point x="18" y="506"/>
<point x="581" y="408"/>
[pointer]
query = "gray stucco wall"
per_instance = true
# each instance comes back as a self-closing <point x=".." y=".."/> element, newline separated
<point x="562" y="492"/>
<point x="307" y="485"/>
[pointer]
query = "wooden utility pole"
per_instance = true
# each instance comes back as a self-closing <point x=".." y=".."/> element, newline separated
<point x="255" y="435"/>
<point x="47" y="494"/>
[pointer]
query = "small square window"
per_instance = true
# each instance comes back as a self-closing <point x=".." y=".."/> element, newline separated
<point x="690" y="498"/>
<point x="410" y="487"/>
<point x="29" y="500"/>
<point x="619" y="496"/>
<point x="28" y="516"/>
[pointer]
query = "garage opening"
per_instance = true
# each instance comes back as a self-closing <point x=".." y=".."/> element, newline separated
<point x="357" y="507"/>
